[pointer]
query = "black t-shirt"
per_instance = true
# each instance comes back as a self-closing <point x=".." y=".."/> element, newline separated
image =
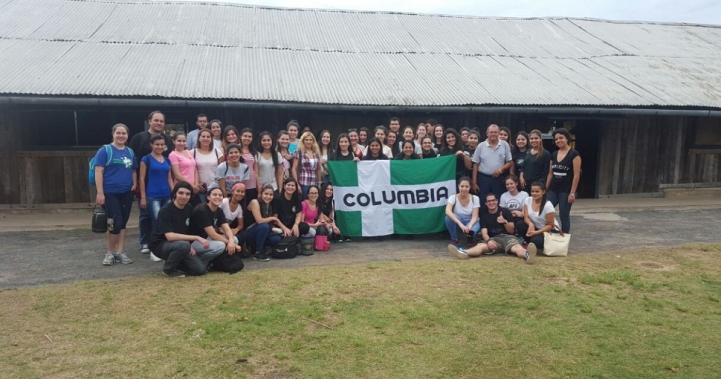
<point x="380" y="157"/>
<point x="203" y="217"/>
<point x="171" y="219"/>
<point x="460" y="162"/>
<point x="340" y="157"/>
<point x="562" y="180"/>
<point x="518" y="159"/>
<point x="430" y="154"/>
<point x="536" y="169"/>
<point x="490" y="222"/>
<point x="287" y="209"/>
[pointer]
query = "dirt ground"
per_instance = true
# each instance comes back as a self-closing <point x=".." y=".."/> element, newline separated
<point x="35" y="258"/>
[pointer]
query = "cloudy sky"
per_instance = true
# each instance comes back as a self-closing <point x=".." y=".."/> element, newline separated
<point x="690" y="11"/>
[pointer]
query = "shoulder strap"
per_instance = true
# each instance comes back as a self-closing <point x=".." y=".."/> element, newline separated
<point x="194" y="150"/>
<point x="109" y="154"/>
<point x="216" y="153"/>
<point x="226" y="170"/>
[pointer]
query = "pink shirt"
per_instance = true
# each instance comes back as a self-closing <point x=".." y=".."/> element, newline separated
<point x="309" y="216"/>
<point x="250" y="161"/>
<point x="186" y="165"/>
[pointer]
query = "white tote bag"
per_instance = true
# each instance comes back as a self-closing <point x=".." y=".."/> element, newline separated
<point x="556" y="244"/>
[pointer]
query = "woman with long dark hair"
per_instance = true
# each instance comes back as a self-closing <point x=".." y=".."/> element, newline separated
<point x="184" y="167"/>
<point x="230" y="136"/>
<point x="392" y="142"/>
<point x="156" y="181"/>
<point x="248" y="152"/>
<point x="363" y="136"/>
<point x="563" y="177"/>
<point x="233" y="170"/>
<point x="519" y="151"/>
<point x="326" y="150"/>
<point x="284" y="151"/>
<point x="289" y="208"/>
<point x="438" y="140"/>
<point x="115" y="179"/>
<point x="538" y="216"/>
<point x="263" y="217"/>
<point x="454" y="146"/>
<point x="355" y="147"/>
<point x="342" y="151"/>
<point x="269" y="162"/>
<point x="374" y="151"/>
<point x="536" y="162"/>
<point x="409" y="151"/>
<point x="326" y="204"/>
<point x="207" y="158"/>
<point x="216" y="130"/>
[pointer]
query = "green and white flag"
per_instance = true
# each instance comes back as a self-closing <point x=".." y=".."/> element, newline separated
<point x="378" y="198"/>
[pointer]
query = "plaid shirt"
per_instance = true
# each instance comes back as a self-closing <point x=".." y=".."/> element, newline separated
<point x="308" y="168"/>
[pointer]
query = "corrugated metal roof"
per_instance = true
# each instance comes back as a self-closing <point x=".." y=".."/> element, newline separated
<point x="223" y="51"/>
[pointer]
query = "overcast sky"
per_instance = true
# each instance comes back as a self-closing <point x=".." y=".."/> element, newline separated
<point x="691" y="11"/>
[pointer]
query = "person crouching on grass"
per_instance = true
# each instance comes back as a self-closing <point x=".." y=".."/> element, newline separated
<point x="497" y="231"/>
<point x="172" y="242"/>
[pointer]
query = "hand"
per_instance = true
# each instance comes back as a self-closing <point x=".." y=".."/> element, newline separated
<point x="100" y="199"/>
<point x="336" y="231"/>
<point x="355" y="158"/>
<point x="192" y="251"/>
<point x="571" y="198"/>
<point x="287" y="232"/>
<point x="492" y="245"/>
<point x="133" y="187"/>
<point x="323" y="160"/>
<point x="459" y="152"/>
<point x="287" y="157"/>
<point x="474" y="187"/>
<point x="517" y="213"/>
<point x="143" y="203"/>
<point x="231" y="248"/>
<point x="465" y="229"/>
<point x="203" y="242"/>
<point x="497" y="173"/>
<point x="296" y="232"/>
<point x="522" y="182"/>
<point x="500" y="219"/>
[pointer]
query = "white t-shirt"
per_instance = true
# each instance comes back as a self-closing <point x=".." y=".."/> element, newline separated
<point x="230" y="215"/>
<point x="466" y="212"/>
<point x="232" y="175"/>
<point x="539" y="219"/>
<point x="513" y="203"/>
<point x="207" y="164"/>
<point x="266" y="171"/>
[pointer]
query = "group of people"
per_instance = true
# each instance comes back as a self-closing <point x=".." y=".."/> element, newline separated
<point x="222" y="189"/>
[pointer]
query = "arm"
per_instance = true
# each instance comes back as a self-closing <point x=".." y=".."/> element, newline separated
<point x="549" y="176"/>
<point x="257" y="176"/>
<point x="474" y="177"/>
<point x="576" y="179"/>
<point x="506" y="166"/>
<point x="100" y="197"/>
<point x="319" y="172"/>
<point x="295" y="230"/>
<point x="294" y="170"/>
<point x="279" y="176"/>
<point x="527" y="220"/>
<point x="254" y="208"/>
<point x="221" y="184"/>
<point x="178" y="176"/>
<point x="466" y="160"/>
<point x="196" y="183"/>
<point x="550" y="223"/>
<point x="170" y="180"/>
<point x="230" y="245"/>
<point x="241" y="225"/>
<point x="474" y="217"/>
<point x="522" y="181"/>
<point x="507" y="225"/>
<point x="143" y="172"/>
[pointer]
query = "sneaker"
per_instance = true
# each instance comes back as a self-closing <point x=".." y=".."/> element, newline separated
<point x="155" y="258"/>
<point x="174" y="274"/>
<point x="109" y="259"/>
<point x="261" y="257"/>
<point x="144" y="249"/>
<point x="122" y="258"/>
<point x="531" y="253"/>
<point x="458" y="252"/>
<point x="346" y="239"/>
<point x="276" y="231"/>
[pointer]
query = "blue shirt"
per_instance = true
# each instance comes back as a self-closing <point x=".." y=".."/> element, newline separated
<point x="156" y="183"/>
<point x="118" y="174"/>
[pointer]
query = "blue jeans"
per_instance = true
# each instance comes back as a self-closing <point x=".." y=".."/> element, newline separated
<point x="145" y="225"/>
<point x="260" y="235"/>
<point x="206" y="255"/>
<point x="453" y="227"/>
<point x="153" y="206"/>
<point x="564" y="208"/>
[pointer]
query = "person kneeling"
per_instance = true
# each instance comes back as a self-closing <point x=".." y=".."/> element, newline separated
<point x="497" y="231"/>
<point x="171" y="240"/>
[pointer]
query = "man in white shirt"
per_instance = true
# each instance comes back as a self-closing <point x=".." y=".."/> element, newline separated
<point x="192" y="138"/>
<point x="491" y="159"/>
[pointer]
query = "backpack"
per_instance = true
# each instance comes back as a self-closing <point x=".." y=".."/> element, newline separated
<point x="91" y="166"/>
<point x="226" y="263"/>
<point x="288" y="248"/>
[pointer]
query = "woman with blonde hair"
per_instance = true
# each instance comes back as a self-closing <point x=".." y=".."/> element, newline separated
<point x="307" y="159"/>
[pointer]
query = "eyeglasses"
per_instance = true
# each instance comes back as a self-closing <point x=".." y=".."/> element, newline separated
<point x="491" y="201"/>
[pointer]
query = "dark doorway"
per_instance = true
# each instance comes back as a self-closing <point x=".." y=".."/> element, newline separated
<point x="587" y="136"/>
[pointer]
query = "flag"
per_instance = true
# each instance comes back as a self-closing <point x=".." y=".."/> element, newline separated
<point x="378" y="198"/>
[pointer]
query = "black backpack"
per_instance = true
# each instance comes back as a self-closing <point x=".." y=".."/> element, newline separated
<point x="288" y="248"/>
<point x="226" y="263"/>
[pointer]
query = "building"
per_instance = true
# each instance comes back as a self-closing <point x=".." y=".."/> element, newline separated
<point x="642" y="99"/>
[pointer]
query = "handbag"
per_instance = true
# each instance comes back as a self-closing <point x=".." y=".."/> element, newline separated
<point x="556" y="244"/>
<point x="288" y="248"/>
<point x="99" y="221"/>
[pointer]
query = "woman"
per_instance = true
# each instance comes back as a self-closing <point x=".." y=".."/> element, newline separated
<point x="420" y="133"/>
<point x="563" y="177"/>
<point x="392" y="142"/>
<point x="307" y="159"/>
<point x="207" y="158"/>
<point x="233" y="210"/>
<point x="293" y="128"/>
<point x="209" y="222"/>
<point x="269" y="162"/>
<point x="438" y="137"/>
<point x="374" y="151"/>
<point x="453" y="146"/>
<point x="263" y="217"/>
<point x="310" y="214"/>
<point x="504" y="134"/>
<point x="536" y="162"/>
<point x="115" y="179"/>
<point x="472" y="141"/>
<point x="216" y="129"/>
<point x="184" y="167"/>
<point x="409" y="151"/>
<point x="410" y="134"/>
<point x="230" y="136"/>
<point x="462" y="212"/>
<point x="538" y="216"/>
<point x="363" y="137"/>
<point x="327" y="212"/>
<point x="232" y="171"/>
<point x="248" y="152"/>
<point x="354" y="146"/>
<point x="342" y="150"/>
<point x="325" y="152"/>
<point x="513" y="199"/>
<point x="519" y="152"/>
<point x="289" y="208"/>
<point x="156" y="181"/>
<point x="427" y="150"/>
<point x="284" y="151"/>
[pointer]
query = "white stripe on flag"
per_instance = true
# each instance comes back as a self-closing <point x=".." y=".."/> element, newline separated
<point x="375" y="221"/>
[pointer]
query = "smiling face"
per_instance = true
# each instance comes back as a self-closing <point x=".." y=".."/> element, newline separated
<point x="464" y="136"/>
<point x="233" y="155"/>
<point x="205" y="138"/>
<point x="313" y="194"/>
<point x="421" y="131"/>
<point x="521" y="141"/>
<point x="511" y="186"/>
<point x="537" y="193"/>
<point x="380" y="134"/>
<point x="238" y="193"/>
<point x="472" y="141"/>
<point x="293" y="132"/>
<point x="179" y="142"/>
<point x="231" y="137"/>
<point x="362" y="136"/>
<point x="284" y="141"/>
<point x="492" y="133"/>
<point x="353" y="137"/>
<point x="290" y="187"/>
<point x="216" y="129"/>
<point x="266" y="142"/>
<point x="408" y="149"/>
<point x="535" y="140"/>
<point x="391" y="138"/>
<point x="182" y="197"/>
<point x="267" y="195"/>
<point x="375" y="148"/>
<point x="427" y="144"/>
<point x="491" y="202"/>
<point x="325" y="139"/>
<point x="157" y="122"/>
<point x="159" y="146"/>
<point x="439" y="132"/>
<point x="464" y="187"/>
<point x="343" y="143"/>
<point x="120" y="135"/>
<point x="394" y="125"/>
<point x="503" y="135"/>
<point x="450" y="140"/>
<point x="308" y="142"/>
<point x="560" y="140"/>
<point x="215" y="197"/>
<point x="407" y="133"/>
<point x="246" y="139"/>
<point x="329" y="192"/>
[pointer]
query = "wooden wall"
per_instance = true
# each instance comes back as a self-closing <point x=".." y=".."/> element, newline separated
<point x="54" y="177"/>
<point x="640" y="153"/>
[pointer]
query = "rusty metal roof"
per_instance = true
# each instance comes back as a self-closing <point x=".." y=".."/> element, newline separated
<point x="239" y="52"/>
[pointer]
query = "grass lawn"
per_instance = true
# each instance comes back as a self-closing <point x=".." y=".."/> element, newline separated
<point x="637" y="314"/>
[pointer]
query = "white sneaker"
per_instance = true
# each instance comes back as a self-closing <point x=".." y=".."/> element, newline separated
<point x="154" y="258"/>
<point x="531" y="253"/>
<point x="276" y="231"/>
<point x="144" y="249"/>
<point x="457" y="251"/>
<point x="109" y="259"/>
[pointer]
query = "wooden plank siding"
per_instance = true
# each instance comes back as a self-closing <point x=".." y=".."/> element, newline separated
<point x="54" y="177"/>
<point x="640" y="153"/>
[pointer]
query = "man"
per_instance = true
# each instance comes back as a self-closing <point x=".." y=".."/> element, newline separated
<point x="395" y="125"/>
<point x="490" y="160"/>
<point x="173" y="242"/>
<point x="192" y="138"/>
<point x="464" y="135"/>
<point x="497" y="231"/>
<point x="140" y="143"/>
